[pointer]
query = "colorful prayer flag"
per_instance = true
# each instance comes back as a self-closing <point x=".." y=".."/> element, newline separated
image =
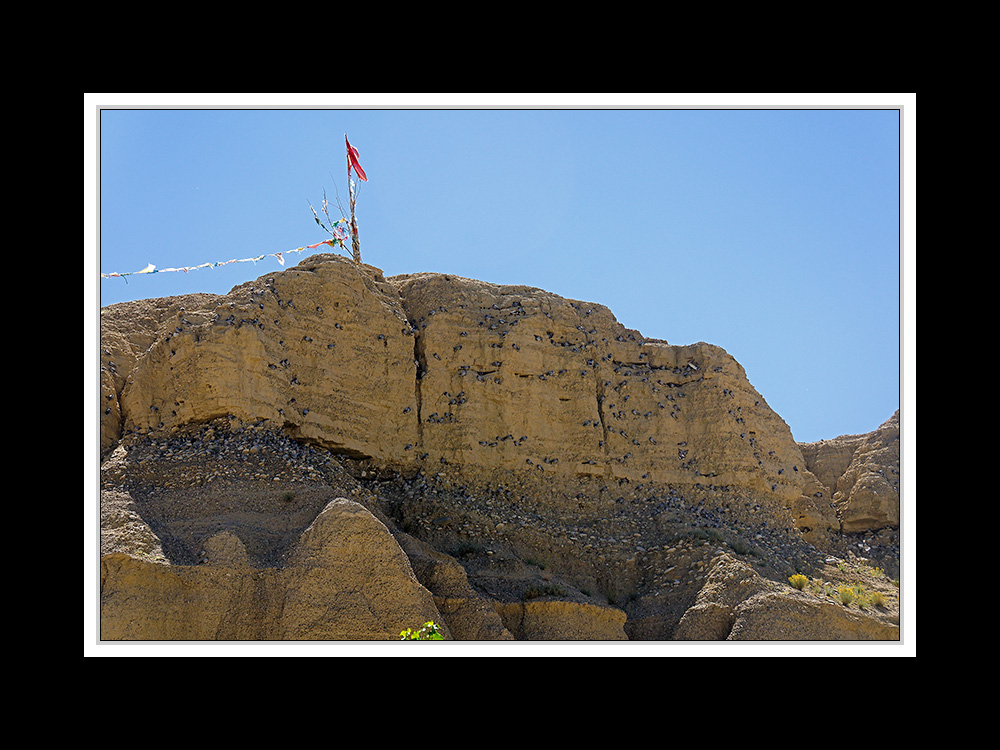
<point x="352" y="161"/>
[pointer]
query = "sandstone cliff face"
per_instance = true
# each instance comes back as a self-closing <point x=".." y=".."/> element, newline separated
<point x="516" y="378"/>
<point x="128" y="331"/>
<point x="323" y="348"/>
<point x="861" y="475"/>
<point x="431" y="369"/>
<point x="508" y="462"/>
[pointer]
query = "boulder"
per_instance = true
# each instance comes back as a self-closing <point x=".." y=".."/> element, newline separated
<point x="348" y="579"/>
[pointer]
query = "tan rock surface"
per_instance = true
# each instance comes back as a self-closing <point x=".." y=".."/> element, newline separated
<point x="470" y="615"/>
<point x="517" y="378"/>
<point x="128" y="330"/>
<point x="867" y="495"/>
<point x="346" y="579"/>
<point x="861" y="476"/>
<point x="559" y="620"/>
<point x="496" y="377"/>
<point x="799" y="617"/>
<point x="215" y="535"/>
<point x="323" y="348"/>
<point x="711" y="618"/>
<point x="737" y="604"/>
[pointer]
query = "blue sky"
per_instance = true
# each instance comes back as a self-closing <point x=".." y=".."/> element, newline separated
<point x="774" y="233"/>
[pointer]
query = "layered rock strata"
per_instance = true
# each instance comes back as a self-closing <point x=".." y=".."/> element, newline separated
<point x="431" y="369"/>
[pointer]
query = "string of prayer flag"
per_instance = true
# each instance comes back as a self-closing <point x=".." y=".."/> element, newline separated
<point x="339" y="238"/>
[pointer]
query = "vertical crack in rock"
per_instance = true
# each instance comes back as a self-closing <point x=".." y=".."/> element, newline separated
<point x="599" y="387"/>
<point x="420" y="362"/>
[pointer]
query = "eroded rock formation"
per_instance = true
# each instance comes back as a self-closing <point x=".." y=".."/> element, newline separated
<point x="861" y="475"/>
<point x="506" y="461"/>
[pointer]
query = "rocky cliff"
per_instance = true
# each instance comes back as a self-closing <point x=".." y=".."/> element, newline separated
<point x="325" y="453"/>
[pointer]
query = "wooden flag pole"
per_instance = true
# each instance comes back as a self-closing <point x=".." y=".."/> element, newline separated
<point x="355" y="242"/>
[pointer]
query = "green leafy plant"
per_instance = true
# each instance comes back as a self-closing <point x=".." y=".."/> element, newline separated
<point x="798" y="580"/>
<point x="845" y="594"/>
<point x="429" y="631"/>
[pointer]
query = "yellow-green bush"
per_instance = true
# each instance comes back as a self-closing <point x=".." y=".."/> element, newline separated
<point x="798" y="580"/>
<point x="428" y="632"/>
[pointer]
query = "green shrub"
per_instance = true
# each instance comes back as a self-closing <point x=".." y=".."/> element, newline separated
<point x="845" y="594"/>
<point x="798" y="580"/>
<point x="429" y="631"/>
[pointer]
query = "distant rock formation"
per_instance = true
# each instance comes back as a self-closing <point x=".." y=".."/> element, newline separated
<point x="515" y="464"/>
<point x="860" y="474"/>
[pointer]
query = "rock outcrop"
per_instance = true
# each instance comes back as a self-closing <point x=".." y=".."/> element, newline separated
<point x="325" y="453"/>
<point x="235" y="569"/>
<point x="323" y="349"/>
<point x="861" y="475"/>
<point x="737" y="604"/>
<point x="429" y="369"/>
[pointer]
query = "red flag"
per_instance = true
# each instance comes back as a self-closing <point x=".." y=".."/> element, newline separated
<point x="352" y="160"/>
